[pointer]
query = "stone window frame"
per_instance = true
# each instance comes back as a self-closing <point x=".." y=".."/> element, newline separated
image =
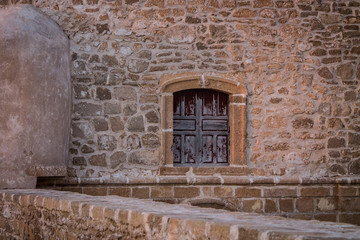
<point x="237" y="122"/>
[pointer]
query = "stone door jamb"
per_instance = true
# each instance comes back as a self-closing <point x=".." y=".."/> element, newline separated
<point x="237" y="113"/>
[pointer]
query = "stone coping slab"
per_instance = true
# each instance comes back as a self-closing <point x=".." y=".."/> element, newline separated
<point x="132" y="218"/>
<point x="201" y="180"/>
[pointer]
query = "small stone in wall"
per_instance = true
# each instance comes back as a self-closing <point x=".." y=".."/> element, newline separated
<point x="330" y="18"/>
<point x="336" y="168"/>
<point x="180" y="34"/>
<point x="106" y="142"/>
<point x="125" y="93"/>
<point x="103" y="93"/>
<point x="145" y="157"/>
<point x="110" y="61"/>
<point x="350" y="96"/>
<point x="117" y="158"/>
<point x="130" y="109"/>
<point x="325" y="205"/>
<point x="354" y="139"/>
<point x="98" y="160"/>
<point x="116" y="124"/>
<point x="79" y="161"/>
<point x="100" y="124"/>
<point x="277" y="147"/>
<point x="345" y="71"/>
<point x="87" y="109"/>
<point x="87" y="149"/>
<point x="335" y="123"/>
<point x="354" y="167"/>
<point x="133" y="142"/>
<point x="151" y="140"/>
<point x="111" y="108"/>
<point x="303" y="123"/>
<point x="136" y="124"/>
<point x="137" y="65"/>
<point x="152" y="117"/>
<point x="336" y="142"/>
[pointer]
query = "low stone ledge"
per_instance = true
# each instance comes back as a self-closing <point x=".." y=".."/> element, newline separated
<point x="198" y="180"/>
<point x="39" y="214"/>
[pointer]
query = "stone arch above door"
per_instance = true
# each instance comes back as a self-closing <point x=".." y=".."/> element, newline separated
<point x="237" y="121"/>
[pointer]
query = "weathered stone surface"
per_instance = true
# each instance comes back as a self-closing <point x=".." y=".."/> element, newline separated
<point x="152" y="117"/>
<point x="325" y="73"/>
<point x="345" y="71"/>
<point x="87" y="109"/>
<point x="180" y="34"/>
<point x="325" y="109"/>
<point x="103" y="93"/>
<point x="217" y="31"/>
<point x="263" y="3"/>
<point x="316" y="24"/>
<point x="244" y="13"/>
<point x="98" y="160"/>
<point x="130" y="109"/>
<point x="336" y="168"/>
<point x="111" y="108"/>
<point x="136" y="124"/>
<point x="145" y="157"/>
<point x="336" y="143"/>
<point x="125" y="93"/>
<point x="303" y="123"/>
<point x="87" y="149"/>
<point x="100" y="124"/>
<point x="133" y="142"/>
<point x="116" y="124"/>
<point x="330" y="18"/>
<point x="35" y="94"/>
<point x="354" y="139"/>
<point x="276" y="122"/>
<point x="151" y="140"/>
<point x="336" y="123"/>
<point x="106" y="142"/>
<point x="350" y="96"/>
<point x="117" y="158"/>
<point x="137" y="65"/>
<point x="277" y="147"/>
<point x="354" y="167"/>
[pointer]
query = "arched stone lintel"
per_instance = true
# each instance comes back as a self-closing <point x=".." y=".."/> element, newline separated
<point x="170" y="84"/>
<point x="178" y="82"/>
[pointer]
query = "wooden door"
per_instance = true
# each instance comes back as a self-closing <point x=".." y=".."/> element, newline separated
<point x="201" y="129"/>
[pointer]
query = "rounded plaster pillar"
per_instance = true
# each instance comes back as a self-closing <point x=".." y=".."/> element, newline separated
<point x="35" y="97"/>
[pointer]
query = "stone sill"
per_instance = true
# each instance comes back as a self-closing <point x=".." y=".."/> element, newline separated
<point x="143" y="216"/>
<point x="47" y="171"/>
<point x="195" y="180"/>
<point x="207" y="171"/>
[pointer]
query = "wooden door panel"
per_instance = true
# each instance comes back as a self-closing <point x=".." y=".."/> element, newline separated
<point x="222" y="149"/>
<point x="207" y="104"/>
<point x="189" y="148"/>
<point x="190" y="104"/>
<point x="207" y="149"/>
<point x="184" y="125"/>
<point x="177" y="148"/>
<point x="200" y="128"/>
<point x="214" y="125"/>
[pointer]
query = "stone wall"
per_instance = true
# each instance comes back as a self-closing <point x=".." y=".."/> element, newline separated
<point x="325" y="199"/>
<point x="43" y="214"/>
<point x="298" y="59"/>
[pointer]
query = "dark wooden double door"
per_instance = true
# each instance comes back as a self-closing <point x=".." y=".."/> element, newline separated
<point x="201" y="128"/>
